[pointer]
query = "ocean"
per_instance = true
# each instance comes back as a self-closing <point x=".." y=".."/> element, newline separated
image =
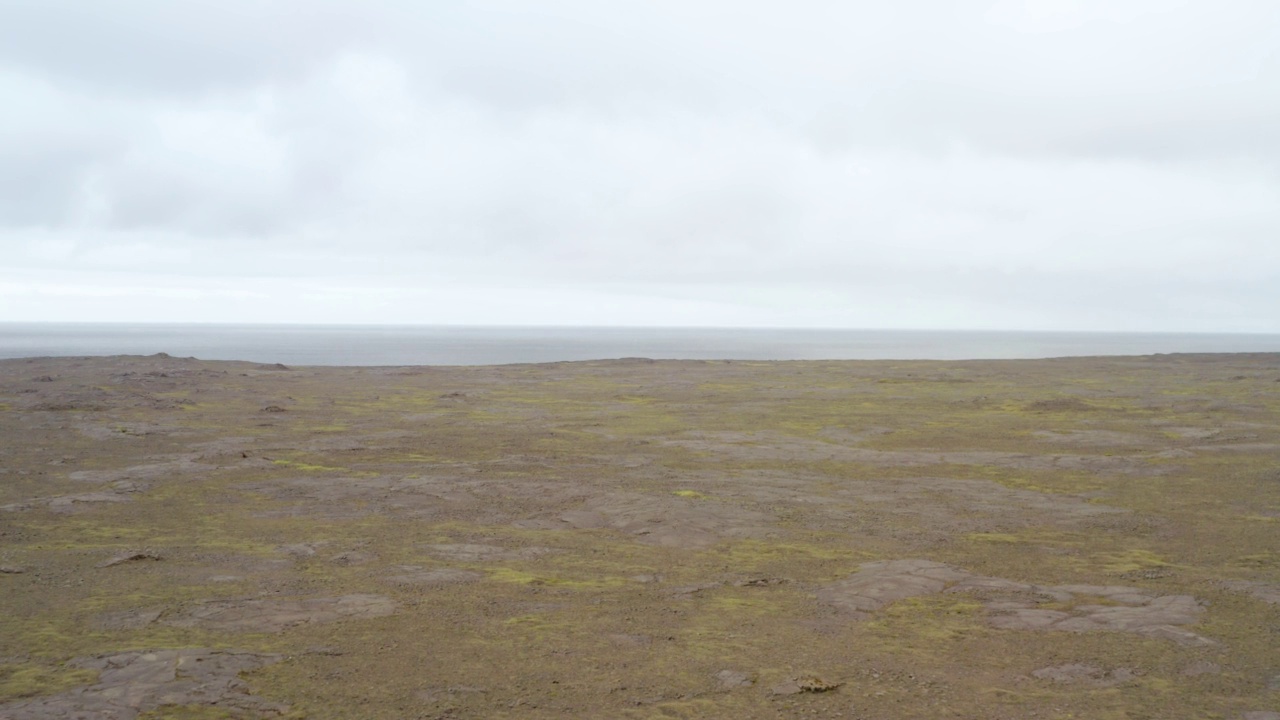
<point x="452" y="345"/>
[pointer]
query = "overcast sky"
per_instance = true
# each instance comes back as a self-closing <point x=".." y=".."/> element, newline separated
<point x="1022" y="164"/>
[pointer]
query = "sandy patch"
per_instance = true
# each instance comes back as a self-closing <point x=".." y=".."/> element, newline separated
<point x="434" y="577"/>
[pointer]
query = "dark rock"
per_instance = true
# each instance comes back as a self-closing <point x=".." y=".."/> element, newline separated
<point x="130" y="556"/>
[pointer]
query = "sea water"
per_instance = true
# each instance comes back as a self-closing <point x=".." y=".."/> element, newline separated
<point x="455" y="345"/>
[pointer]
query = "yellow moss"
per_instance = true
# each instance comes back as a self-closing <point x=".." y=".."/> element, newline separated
<point x="993" y="537"/>
<point x="1129" y="561"/>
<point x="1257" y="561"/>
<point x="928" y="619"/>
<point x="635" y="399"/>
<point x="534" y="622"/>
<point x="296" y="465"/>
<point x="19" y="681"/>
<point x="689" y="494"/>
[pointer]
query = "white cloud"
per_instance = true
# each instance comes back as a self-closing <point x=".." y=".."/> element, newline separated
<point x="1090" y="165"/>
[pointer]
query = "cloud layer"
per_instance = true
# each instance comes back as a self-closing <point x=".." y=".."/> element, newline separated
<point x="1039" y="164"/>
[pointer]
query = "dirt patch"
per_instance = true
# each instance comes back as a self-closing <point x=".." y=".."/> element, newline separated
<point x="948" y="500"/>
<point x="767" y="445"/>
<point x="922" y="509"/>
<point x="65" y="503"/>
<point x="275" y="615"/>
<point x="353" y="557"/>
<point x="150" y="471"/>
<point x="340" y="496"/>
<point x="628" y="640"/>
<point x="1266" y="592"/>
<point x="434" y="577"/>
<point x="666" y="521"/>
<point x="1061" y="405"/>
<point x="127" y="619"/>
<point x="1128" y="609"/>
<point x="301" y="551"/>
<point x="120" y="492"/>
<point x="1194" y="433"/>
<point x="132" y="683"/>
<point x="1081" y="674"/>
<point x="1092" y="438"/>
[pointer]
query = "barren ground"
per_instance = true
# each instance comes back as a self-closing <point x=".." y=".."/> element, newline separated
<point x="1076" y="538"/>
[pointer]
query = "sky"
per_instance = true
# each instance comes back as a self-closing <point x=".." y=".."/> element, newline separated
<point x="1023" y="164"/>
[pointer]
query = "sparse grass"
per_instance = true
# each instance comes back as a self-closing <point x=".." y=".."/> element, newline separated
<point x="843" y="463"/>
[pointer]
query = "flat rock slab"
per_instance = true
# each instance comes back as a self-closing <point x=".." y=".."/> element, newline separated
<point x="1079" y="673"/>
<point x="1265" y="592"/>
<point x="733" y="679"/>
<point x="278" y="614"/>
<point x="472" y="552"/>
<point x="120" y="493"/>
<point x="1114" y="608"/>
<point x="135" y="619"/>
<point x="151" y="471"/>
<point x="628" y="640"/>
<point x="132" y="683"/>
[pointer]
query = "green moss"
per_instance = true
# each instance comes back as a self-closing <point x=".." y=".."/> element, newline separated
<point x="20" y="681"/>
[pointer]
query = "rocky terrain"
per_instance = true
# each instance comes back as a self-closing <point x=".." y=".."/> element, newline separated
<point x="1072" y="538"/>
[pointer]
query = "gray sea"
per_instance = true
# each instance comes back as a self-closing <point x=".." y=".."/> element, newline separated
<point x="453" y="345"/>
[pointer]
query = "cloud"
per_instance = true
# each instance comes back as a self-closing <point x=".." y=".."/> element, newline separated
<point x="1046" y="164"/>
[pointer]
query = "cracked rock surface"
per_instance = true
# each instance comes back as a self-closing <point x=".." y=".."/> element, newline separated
<point x="132" y="683"/>
<point x="1075" y="608"/>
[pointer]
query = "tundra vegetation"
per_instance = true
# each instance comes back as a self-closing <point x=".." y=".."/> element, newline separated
<point x="1070" y="538"/>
